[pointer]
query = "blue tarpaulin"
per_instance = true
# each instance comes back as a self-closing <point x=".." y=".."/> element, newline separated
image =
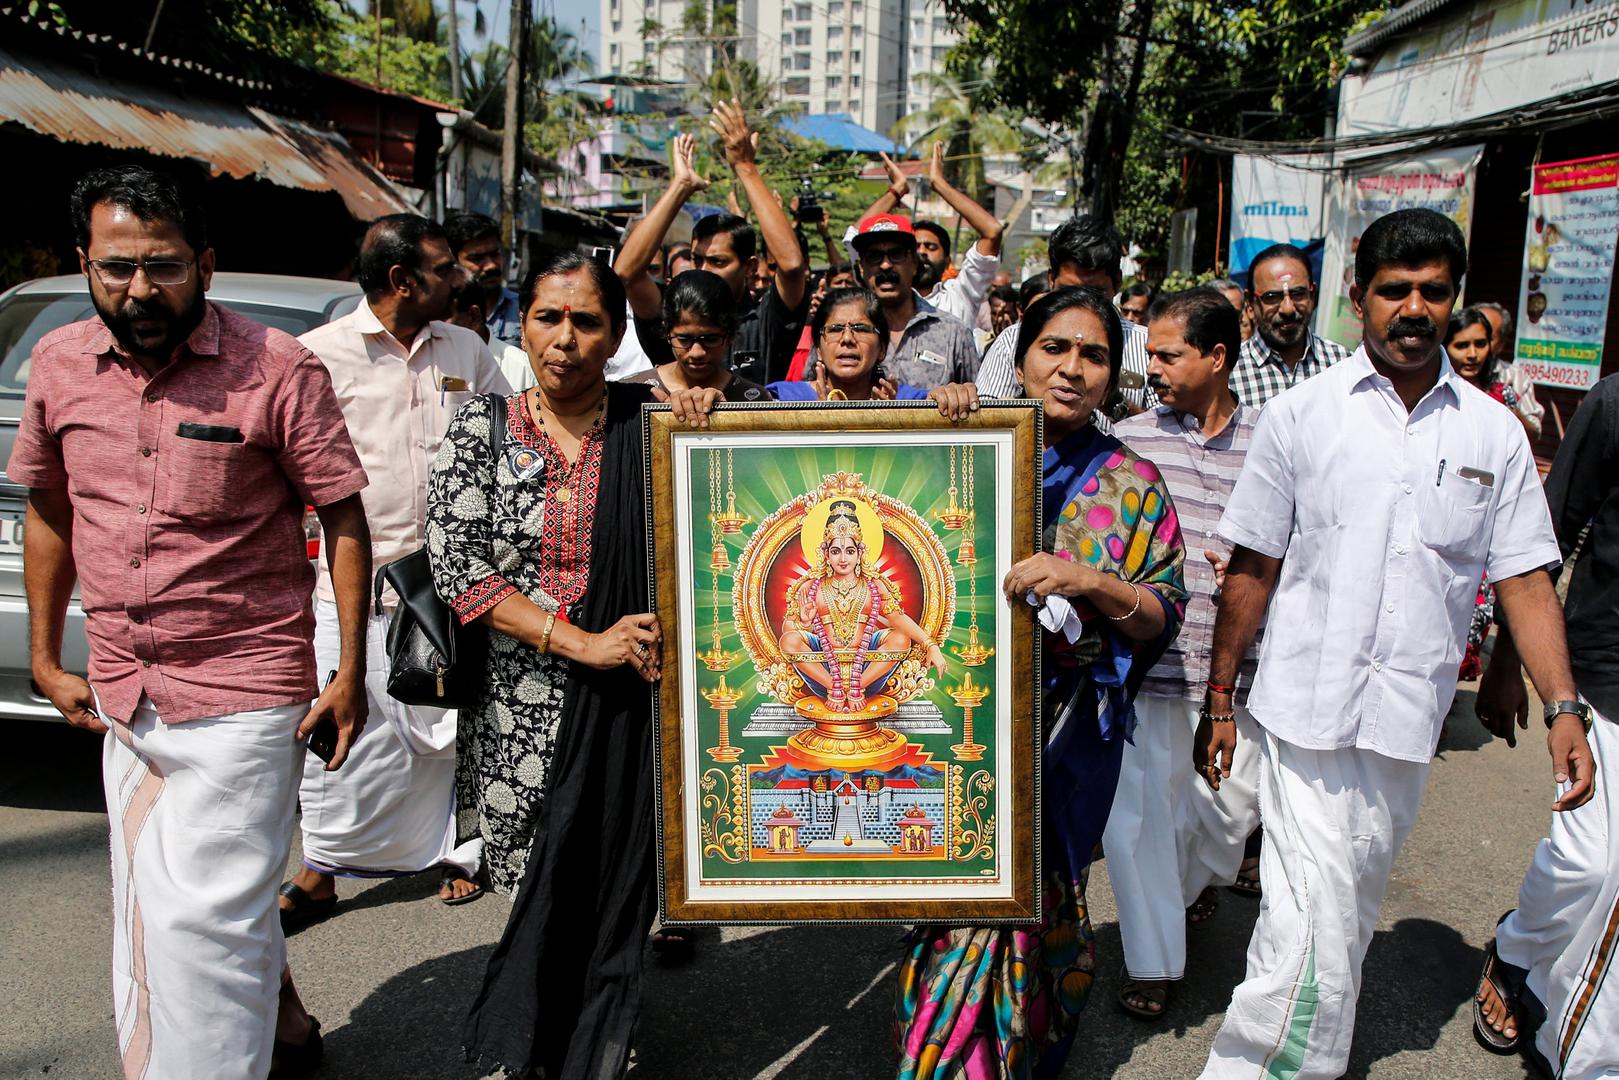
<point x="839" y="130"/>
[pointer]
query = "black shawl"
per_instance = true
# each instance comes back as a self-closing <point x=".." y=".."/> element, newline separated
<point x="562" y="990"/>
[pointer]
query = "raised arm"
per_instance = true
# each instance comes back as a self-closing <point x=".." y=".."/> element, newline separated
<point x="981" y="221"/>
<point x="644" y="240"/>
<point x="898" y="188"/>
<point x="741" y="144"/>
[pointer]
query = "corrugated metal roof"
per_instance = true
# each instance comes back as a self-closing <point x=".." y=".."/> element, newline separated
<point x="839" y="131"/>
<point x="231" y="139"/>
<point x="1368" y="40"/>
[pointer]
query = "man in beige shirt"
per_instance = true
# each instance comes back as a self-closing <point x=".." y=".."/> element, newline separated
<point x="399" y="372"/>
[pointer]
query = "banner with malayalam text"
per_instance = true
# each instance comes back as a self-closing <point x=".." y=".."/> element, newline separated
<point x="1441" y="180"/>
<point x="1568" y="271"/>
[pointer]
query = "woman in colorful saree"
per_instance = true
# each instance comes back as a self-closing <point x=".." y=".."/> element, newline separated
<point x="1002" y="1003"/>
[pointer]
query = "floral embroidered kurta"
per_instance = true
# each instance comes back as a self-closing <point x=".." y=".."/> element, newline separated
<point x="522" y="524"/>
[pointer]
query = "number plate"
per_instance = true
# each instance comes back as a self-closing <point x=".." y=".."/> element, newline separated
<point x="10" y="533"/>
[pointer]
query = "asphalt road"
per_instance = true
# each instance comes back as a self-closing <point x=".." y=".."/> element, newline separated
<point x="391" y="976"/>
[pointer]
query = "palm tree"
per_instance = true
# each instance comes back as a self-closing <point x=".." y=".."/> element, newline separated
<point x="969" y="127"/>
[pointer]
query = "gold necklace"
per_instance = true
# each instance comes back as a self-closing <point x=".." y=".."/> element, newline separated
<point x="564" y="493"/>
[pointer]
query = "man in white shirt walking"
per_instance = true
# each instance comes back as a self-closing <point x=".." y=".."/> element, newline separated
<point x="1373" y="498"/>
<point x="399" y="373"/>
<point x="1177" y="838"/>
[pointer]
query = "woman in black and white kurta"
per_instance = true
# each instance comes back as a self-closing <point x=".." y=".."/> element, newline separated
<point x="547" y="548"/>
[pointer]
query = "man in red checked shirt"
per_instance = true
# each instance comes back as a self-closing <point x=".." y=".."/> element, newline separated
<point x="170" y="446"/>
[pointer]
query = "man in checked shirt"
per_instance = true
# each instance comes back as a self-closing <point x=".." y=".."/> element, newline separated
<point x="169" y="446"/>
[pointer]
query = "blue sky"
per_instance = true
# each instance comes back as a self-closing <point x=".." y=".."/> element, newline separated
<point x="567" y="12"/>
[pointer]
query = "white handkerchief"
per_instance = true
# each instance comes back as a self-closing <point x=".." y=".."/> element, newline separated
<point x="1057" y="614"/>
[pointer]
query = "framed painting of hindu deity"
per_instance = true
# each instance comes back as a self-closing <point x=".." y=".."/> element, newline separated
<point x="848" y="728"/>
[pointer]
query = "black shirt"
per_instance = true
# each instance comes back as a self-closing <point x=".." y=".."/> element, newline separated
<point x="766" y="335"/>
<point x="1583" y="486"/>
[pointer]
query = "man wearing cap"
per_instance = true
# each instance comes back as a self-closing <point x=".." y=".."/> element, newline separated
<point x="927" y="348"/>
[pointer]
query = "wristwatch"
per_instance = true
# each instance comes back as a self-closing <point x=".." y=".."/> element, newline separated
<point x="1554" y="709"/>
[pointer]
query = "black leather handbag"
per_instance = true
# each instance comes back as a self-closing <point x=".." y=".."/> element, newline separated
<point x="432" y="658"/>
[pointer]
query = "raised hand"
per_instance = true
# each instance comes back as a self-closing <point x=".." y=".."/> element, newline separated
<point x="936" y="165"/>
<point x="897" y="182"/>
<point x="682" y="173"/>
<point x="731" y="125"/>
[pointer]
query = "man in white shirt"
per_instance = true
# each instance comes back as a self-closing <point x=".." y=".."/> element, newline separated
<point x="962" y="295"/>
<point x="399" y="373"/>
<point x="1083" y="250"/>
<point x="1372" y="500"/>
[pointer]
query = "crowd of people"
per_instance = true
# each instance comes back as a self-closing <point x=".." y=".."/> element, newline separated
<point x="1211" y="467"/>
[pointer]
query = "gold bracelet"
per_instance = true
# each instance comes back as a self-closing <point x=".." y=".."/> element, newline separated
<point x="545" y="638"/>
<point x="1137" y="590"/>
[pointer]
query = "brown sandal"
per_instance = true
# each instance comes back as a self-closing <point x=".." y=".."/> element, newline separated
<point x="1204" y="907"/>
<point x="1152" y="991"/>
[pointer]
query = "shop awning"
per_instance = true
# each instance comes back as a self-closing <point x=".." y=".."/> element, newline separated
<point x="230" y="138"/>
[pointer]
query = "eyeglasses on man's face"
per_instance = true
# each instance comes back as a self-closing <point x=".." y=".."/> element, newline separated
<point x="834" y="331"/>
<point x="1299" y="295"/>
<point x="157" y="271"/>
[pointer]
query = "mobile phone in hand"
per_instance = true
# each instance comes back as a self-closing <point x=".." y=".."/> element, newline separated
<point x="323" y="738"/>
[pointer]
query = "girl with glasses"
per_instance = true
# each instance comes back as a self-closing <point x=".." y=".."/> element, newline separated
<point x="699" y="322"/>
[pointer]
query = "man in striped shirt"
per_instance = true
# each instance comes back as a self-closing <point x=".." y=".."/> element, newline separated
<point x="1084" y="251"/>
<point x="1283" y="350"/>
<point x="1183" y="838"/>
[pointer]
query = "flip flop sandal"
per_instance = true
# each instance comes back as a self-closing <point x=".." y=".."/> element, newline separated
<point x="296" y="1060"/>
<point x="1203" y="908"/>
<point x="1145" y="990"/>
<point x="305" y="910"/>
<point x="1247" y="883"/>
<point x="450" y="875"/>
<point x="1507" y="982"/>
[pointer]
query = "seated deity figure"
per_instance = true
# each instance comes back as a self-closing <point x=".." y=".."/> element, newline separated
<point x="844" y="628"/>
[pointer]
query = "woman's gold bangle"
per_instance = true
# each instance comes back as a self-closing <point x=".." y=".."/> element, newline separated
<point x="545" y="638"/>
<point x="1121" y="618"/>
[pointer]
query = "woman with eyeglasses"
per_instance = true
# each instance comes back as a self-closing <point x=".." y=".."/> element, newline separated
<point x="699" y="320"/>
<point x="979" y="1002"/>
<point x="851" y="335"/>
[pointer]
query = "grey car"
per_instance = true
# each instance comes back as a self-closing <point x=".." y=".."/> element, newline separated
<point x="27" y="313"/>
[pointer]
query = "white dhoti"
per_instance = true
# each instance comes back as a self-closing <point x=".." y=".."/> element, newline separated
<point x="391" y="808"/>
<point x="1565" y="931"/>
<point x="1334" y="822"/>
<point x="201" y="816"/>
<point x="1169" y="835"/>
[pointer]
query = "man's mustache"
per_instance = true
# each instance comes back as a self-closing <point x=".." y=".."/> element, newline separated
<point x="1158" y="385"/>
<point x="144" y="311"/>
<point x="886" y="277"/>
<point x="1403" y="327"/>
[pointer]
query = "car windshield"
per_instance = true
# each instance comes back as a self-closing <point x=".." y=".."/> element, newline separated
<point x="27" y="317"/>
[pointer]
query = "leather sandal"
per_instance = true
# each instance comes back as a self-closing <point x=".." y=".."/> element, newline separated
<point x="305" y="910"/>
<point x="291" y="1061"/>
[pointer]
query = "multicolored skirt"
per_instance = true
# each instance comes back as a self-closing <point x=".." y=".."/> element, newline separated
<point x="997" y="1003"/>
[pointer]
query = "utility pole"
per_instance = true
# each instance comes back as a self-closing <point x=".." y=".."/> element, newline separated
<point x="452" y="33"/>
<point x="511" y="136"/>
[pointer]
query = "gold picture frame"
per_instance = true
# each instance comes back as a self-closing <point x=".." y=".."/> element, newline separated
<point x="848" y="721"/>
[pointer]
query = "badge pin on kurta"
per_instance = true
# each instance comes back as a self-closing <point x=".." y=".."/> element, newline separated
<point x="524" y="461"/>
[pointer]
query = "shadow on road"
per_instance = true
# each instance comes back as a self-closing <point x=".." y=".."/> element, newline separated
<point x="411" y="1024"/>
<point x="1415" y="978"/>
<point x="1462" y="728"/>
<point x="50" y="766"/>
